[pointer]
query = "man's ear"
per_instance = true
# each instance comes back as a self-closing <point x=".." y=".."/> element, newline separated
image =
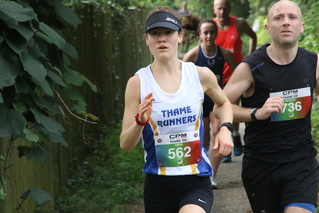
<point x="267" y="28"/>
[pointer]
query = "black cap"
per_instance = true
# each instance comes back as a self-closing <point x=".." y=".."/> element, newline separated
<point x="163" y="19"/>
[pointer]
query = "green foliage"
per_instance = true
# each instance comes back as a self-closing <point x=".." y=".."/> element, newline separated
<point x="2" y="182"/>
<point x="309" y="39"/>
<point x="315" y="122"/>
<point x="39" y="151"/>
<point x="34" y="58"/>
<point x="240" y="8"/>
<point x="38" y="195"/>
<point x="261" y="7"/>
<point x="153" y="3"/>
<point x="107" y="180"/>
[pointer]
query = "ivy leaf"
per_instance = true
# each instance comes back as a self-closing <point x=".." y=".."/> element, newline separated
<point x="53" y="35"/>
<point x="73" y="77"/>
<point x="16" y="42"/>
<point x="45" y="86"/>
<point x="29" y="136"/>
<point x="55" y="137"/>
<point x="11" y="122"/>
<point x="56" y="79"/>
<point x="20" y="107"/>
<point x="37" y="194"/>
<point x="66" y="14"/>
<point x="21" y="86"/>
<point x="24" y="29"/>
<point x="49" y="123"/>
<point x="39" y="152"/>
<point x="79" y="107"/>
<point x="33" y="66"/>
<point x="71" y="51"/>
<point x="73" y="94"/>
<point x="47" y="103"/>
<point x="93" y="86"/>
<point x="8" y="70"/>
<point x="16" y="11"/>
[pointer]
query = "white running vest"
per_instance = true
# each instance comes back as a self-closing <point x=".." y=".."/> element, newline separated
<point x="173" y="140"/>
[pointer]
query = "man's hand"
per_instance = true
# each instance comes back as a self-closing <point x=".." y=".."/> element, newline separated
<point x="274" y="104"/>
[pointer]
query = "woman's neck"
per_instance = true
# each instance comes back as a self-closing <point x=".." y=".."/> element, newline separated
<point x="209" y="50"/>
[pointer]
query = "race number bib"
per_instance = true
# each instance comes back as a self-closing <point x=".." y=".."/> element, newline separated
<point x="297" y="104"/>
<point x="177" y="149"/>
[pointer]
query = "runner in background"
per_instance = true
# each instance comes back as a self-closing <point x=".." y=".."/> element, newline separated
<point x="208" y="54"/>
<point x="230" y="30"/>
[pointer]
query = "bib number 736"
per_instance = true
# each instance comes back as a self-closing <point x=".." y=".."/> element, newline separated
<point x="297" y="104"/>
<point x="292" y="107"/>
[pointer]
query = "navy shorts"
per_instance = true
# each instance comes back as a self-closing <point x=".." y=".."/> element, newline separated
<point x="208" y="106"/>
<point x="272" y="186"/>
<point x="168" y="194"/>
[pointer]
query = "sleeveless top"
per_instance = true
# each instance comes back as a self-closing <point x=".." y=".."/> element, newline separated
<point x="173" y="139"/>
<point x="214" y="63"/>
<point x="285" y="136"/>
<point x="230" y="40"/>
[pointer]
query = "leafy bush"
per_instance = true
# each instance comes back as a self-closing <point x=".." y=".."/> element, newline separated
<point x="106" y="181"/>
<point x="315" y="123"/>
<point x="34" y="60"/>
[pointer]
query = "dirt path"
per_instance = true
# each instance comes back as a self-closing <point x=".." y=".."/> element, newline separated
<point x="230" y="195"/>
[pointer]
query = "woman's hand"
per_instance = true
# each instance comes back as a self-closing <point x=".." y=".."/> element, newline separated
<point x="145" y="108"/>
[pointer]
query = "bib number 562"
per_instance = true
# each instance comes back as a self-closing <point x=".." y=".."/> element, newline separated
<point x="179" y="152"/>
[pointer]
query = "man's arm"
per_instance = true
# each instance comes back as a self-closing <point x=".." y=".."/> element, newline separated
<point x="244" y="28"/>
<point x="242" y="83"/>
<point x="229" y="58"/>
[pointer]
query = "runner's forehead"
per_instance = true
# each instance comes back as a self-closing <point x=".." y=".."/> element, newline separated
<point x="221" y="3"/>
<point x="284" y="7"/>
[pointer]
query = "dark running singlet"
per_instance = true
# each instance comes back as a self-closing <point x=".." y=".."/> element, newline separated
<point x="284" y="136"/>
<point x="214" y="63"/>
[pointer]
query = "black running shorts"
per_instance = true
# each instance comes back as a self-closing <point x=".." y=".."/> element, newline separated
<point x="168" y="194"/>
<point x="272" y="186"/>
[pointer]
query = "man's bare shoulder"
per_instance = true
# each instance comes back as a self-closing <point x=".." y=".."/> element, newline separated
<point x="240" y="22"/>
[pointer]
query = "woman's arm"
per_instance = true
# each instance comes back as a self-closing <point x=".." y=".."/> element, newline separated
<point x="223" y="141"/>
<point x="191" y="56"/>
<point x="131" y="131"/>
